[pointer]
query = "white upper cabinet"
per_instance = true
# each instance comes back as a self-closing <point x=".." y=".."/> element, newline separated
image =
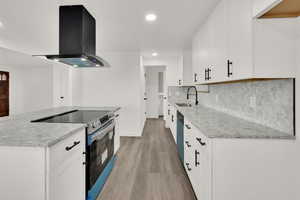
<point x="231" y="45"/>
<point x="187" y="76"/>
<point x="275" y="47"/>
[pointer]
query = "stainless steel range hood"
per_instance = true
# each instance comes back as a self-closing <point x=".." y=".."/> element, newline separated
<point x="77" y="38"/>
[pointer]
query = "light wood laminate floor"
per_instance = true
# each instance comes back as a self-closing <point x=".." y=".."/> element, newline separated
<point x="148" y="168"/>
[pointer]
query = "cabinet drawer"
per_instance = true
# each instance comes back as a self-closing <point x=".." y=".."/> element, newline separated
<point x="67" y="148"/>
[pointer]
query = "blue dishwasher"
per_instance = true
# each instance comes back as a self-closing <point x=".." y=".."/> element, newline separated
<point x="180" y="139"/>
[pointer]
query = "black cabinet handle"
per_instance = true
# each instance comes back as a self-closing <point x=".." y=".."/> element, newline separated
<point x="62" y="97"/>
<point x="145" y="98"/>
<point x="179" y="82"/>
<point x="172" y="118"/>
<point x="200" y="141"/>
<point x="196" y="158"/>
<point x="169" y="112"/>
<point x="205" y="77"/>
<point x="188" y="144"/>
<point x="229" y="63"/>
<point x="187" y="126"/>
<point x="188" y="166"/>
<point x="195" y="77"/>
<point x="208" y="74"/>
<point x="71" y="147"/>
<point x="117" y="115"/>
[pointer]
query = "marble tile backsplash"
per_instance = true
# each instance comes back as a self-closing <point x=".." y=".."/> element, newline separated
<point x="267" y="102"/>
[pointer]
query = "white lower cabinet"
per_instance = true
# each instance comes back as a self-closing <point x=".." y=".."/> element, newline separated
<point x="67" y="169"/>
<point x="173" y="122"/>
<point x="44" y="173"/>
<point x="235" y="169"/>
<point x="198" y="159"/>
<point x="117" y="132"/>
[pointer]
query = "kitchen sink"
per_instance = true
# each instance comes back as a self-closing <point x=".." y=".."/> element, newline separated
<point x="184" y="104"/>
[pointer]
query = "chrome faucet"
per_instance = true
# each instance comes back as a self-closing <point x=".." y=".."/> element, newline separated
<point x="188" y="95"/>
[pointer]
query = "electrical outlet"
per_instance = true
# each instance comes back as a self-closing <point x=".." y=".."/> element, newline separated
<point x="217" y="98"/>
<point x="253" y="101"/>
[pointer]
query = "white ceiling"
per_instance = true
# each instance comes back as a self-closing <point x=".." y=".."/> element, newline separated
<point x="31" y="26"/>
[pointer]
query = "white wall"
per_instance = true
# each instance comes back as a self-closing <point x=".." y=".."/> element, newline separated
<point x="119" y="85"/>
<point x="30" y="88"/>
<point x="62" y="85"/>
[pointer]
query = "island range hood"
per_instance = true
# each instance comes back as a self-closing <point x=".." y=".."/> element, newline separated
<point x="77" y="38"/>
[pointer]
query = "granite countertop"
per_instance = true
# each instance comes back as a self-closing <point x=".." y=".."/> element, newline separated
<point x="18" y="130"/>
<point x="216" y="124"/>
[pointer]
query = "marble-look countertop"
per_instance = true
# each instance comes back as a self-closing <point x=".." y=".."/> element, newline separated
<point x="18" y="130"/>
<point x="216" y="124"/>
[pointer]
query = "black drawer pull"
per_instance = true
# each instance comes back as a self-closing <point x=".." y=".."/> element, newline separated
<point x="187" y="126"/>
<point x="188" y="166"/>
<point x="200" y="141"/>
<point x="195" y="77"/>
<point x="196" y="158"/>
<point x="117" y="115"/>
<point x="188" y="144"/>
<point x="229" y="63"/>
<point x="172" y="118"/>
<point x="71" y="147"/>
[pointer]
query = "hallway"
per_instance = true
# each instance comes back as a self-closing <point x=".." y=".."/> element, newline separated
<point x="148" y="168"/>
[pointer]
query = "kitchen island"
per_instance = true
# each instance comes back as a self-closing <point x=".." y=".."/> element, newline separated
<point x="44" y="161"/>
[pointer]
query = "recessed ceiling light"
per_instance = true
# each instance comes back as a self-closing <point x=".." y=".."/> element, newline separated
<point x="75" y="65"/>
<point x="154" y="54"/>
<point x="97" y="65"/>
<point x="83" y="59"/>
<point x="56" y="59"/>
<point x="151" y="17"/>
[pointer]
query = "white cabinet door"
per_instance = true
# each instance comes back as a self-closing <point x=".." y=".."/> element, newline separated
<point x="67" y="169"/>
<point x="197" y="56"/>
<point x="69" y="179"/>
<point x="275" y="48"/>
<point x="117" y="132"/>
<point x="173" y="124"/>
<point x="240" y="39"/>
<point x="202" y="166"/>
<point x="219" y="43"/>
<point x="206" y="51"/>
<point x="175" y="71"/>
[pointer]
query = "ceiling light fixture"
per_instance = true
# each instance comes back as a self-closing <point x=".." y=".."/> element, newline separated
<point x="151" y="17"/>
<point x="56" y="60"/>
<point x="154" y="54"/>
<point x="75" y="65"/>
<point x="83" y="59"/>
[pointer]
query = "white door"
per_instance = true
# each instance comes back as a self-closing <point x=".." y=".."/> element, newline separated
<point x="219" y="43"/>
<point x="240" y="36"/>
<point x="152" y="93"/>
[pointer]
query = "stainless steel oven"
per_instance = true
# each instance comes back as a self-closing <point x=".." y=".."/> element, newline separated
<point x="100" y="152"/>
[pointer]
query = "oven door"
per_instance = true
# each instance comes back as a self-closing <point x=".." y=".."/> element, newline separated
<point x="100" y="150"/>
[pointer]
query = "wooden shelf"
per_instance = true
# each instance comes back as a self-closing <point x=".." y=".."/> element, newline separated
<point x="285" y="9"/>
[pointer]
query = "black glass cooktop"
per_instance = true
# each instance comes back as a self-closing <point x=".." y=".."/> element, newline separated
<point x="75" y="116"/>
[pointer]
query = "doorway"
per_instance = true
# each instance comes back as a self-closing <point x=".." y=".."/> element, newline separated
<point x="4" y="94"/>
<point x="155" y="90"/>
